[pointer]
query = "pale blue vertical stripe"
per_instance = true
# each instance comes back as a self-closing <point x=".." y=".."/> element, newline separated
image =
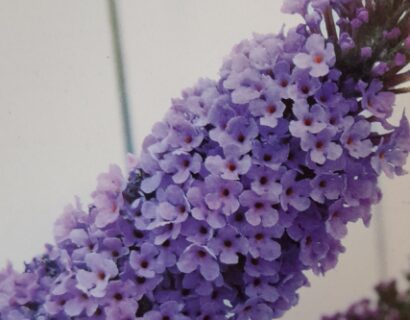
<point x="121" y="78"/>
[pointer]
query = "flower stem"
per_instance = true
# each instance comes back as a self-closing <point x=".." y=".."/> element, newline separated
<point x="330" y="25"/>
<point x="401" y="90"/>
<point x="398" y="79"/>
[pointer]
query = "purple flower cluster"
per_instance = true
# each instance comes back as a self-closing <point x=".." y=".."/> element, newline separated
<point x="392" y="304"/>
<point x="247" y="183"/>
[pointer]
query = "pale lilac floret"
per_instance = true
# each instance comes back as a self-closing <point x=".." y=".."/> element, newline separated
<point x="320" y="56"/>
<point x="230" y="167"/>
<point x="295" y="6"/>
<point x="271" y="155"/>
<point x="169" y="252"/>
<point x="328" y="96"/>
<point x="321" y="147"/>
<point x="401" y="134"/>
<point x="16" y="288"/>
<point x="170" y="310"/>
<point x="201" y="211"/>
<point x="326" y="186"/>
<point x="355" y="138"/>
<point x="295" y="193"/>
<point x="124" y="310"/>
<point x="96" y="280"/>
<point x="107" y="208"/>
<point x="222" y="194"/>
<point x="254" y="309"/>
<point x="185" y="136"/>
<point x="268" y="109"/>
<point x="54" y="305"/>
<point x="266" y="180"/>
<point x="265" y="54"/>
<point x="85" y="242"/>
<point x="107" y="197"/>
<point x="181" y="165"/>
<point x="304" y="85"/>
<point x="80" y="302"/>
<point x="112" y="181"/>
<point x="145" y="262"/>
<point x="261" y="242"/>
<point x="339" y="216"/>
<point x="246" y="85"/>
<point x="113" y="248"/>
<point x="120" y="299"/>
<point x="261" y="287"/>
<point x="391" y="155"/>
<point x="228" y="244"/>
<point x="197" y="231"/>
<point x="68" y="221"/>
<point x="361" y="187"/>
<point x="309" y="119"/>
<point x="336" y="117"/>
<point x="319" y="251"/>
<point x="283" y="79"/>
<point x="174" y="206"/>
<point x="378" y="102"/>
<point x="199" y="257"/>
<point x="390" y="160"/>
<point x="219" y="116"/>
<point x="259" y="208"/>
<point x="239" y="135"/>
<point x="257" y="267"/>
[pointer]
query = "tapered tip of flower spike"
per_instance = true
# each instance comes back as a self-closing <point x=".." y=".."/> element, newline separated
<point x="371" y="38"/>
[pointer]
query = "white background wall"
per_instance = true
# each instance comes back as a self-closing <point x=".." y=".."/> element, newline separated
<point x="60" y="122"/>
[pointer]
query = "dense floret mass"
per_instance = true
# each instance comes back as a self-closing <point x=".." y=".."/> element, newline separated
<point x="248" y="182"/>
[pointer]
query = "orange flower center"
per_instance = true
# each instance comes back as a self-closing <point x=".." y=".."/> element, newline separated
<point x="318" y="58"/>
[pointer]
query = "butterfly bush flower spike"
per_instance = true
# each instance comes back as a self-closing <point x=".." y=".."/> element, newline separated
<point x="247" y="184"/>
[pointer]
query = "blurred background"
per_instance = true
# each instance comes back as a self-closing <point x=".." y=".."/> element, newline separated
<point x="61" y="120"/>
